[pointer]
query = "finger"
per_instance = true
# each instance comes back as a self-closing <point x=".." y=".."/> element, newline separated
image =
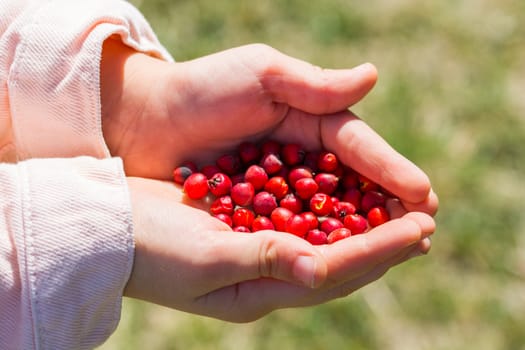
<point x="349" y="257"/>
<point x="429" y="205"/>
<point x="231" y="258"/>
<point x="310" y="88"/>
<point x="361" y="148"/>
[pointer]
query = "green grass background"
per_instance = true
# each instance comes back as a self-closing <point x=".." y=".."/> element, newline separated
<point x="450" y="97"/>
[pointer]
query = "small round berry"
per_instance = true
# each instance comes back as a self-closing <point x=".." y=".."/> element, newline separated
<point x="306" y="187"/>
<point x="339" y="234"/>
<point x="311" y="218"/>
<point x="372" y="199"/>
<point x="316" y="237"/>
<point x="196" y="186"/>
<point x="229" y="164"/>
<point x="264" y="203"/>
<point x="249" y="153"/>
<point x="277" y="186"/>
<point x="298" y="173"/>
<point x="327" y="162"/>
<point x="225" y="218"/>
<point x="222" y="205"/>
<point x="321" y="204"/>
<point x="181" y="173"/>
<point x="355" y="223"/>
<point x="377" y="216"/>
<point x="292" y="202"/>
<point x="292" y="154"/>
<point x="243" y="217"/>
<point x="271" y="163"/>
<point x="243" y="229"/>
<point x="271" y="146"/>
<point x="257" y="176"/>
<point x="330" y="224"/>
<point x="220" y="184"/>
<point x="327" y="182"/>
<point x="297" y="225"/>
<point x="262" y="223"/>
<point x="242" y="194"/>
<point x="279" y="216"/>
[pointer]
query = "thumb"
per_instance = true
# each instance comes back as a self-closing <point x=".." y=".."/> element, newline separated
<point x="269" y="254"/>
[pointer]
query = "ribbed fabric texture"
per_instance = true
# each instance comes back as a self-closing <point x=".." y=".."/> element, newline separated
<point x="66" y="252"/>
<point x="66" y="243"/>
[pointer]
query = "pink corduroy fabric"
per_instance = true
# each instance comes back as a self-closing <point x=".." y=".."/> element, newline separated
<point x="66" y="240"/>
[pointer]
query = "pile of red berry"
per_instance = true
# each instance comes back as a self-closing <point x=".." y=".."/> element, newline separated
<point x="285" y="188"/>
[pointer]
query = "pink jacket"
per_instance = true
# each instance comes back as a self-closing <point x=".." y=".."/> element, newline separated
<point x="66" y="240"/>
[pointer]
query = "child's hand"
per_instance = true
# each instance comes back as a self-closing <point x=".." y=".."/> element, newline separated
<point x="187" y="260"/>
<point x="158" y="114"/>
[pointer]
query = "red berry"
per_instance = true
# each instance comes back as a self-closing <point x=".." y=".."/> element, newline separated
<point x="327" y="162"/>
<point x="277" y="186"/>
<point x="306" y="187"/>
<point x="298" y="173"/>
<point x="237" y="178"/>
<point x="210" y="170"/>
<point x="271" y="146"/>
<point x="311" y="159"/>
<point x="222" y="205"/>
<point x="262" y="223"/>
<point x="330" y="224"/>
<point x="296" y="225"/>
<point x="242" y="194"/>
<point x="292" y="202"/>
<point x="350" y="179"/>
<point x="279" y="216"/>
<point x="355" y="223"/>
<point x="353" y="195"/>
<point x="264" y="203"/>
<point x="342" y="209"/>
<point x="243" y="217"/>
<point x="292" y="154"/>
<point x="365" y="184"/>
<point x="229" y="163"/>
<point x="181" y="173"/>
<point x="196" y="186"/>
<point x="256" y="175"/>
<point x="321" y="204"/>
<point x="311" y="218"/>
<point x="249" y="153"/>
<point x="377" y="216"/>
<point x="340" y="233"/>
<point x="372" y="199"/>
<point x="271" y="163"/>
<point x="316" y="237"/>
<point x="327" y="182"/>
<point x="241" y="229"/>
<point x="225" y="218"/>
<point x="220" y="184"/>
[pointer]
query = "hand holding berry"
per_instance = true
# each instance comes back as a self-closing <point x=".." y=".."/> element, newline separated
<point x="187" y="260"/>
<point x="157" y="115"/>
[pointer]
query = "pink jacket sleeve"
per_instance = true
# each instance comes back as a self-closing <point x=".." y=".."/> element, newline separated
<point x="66" y="252"/>
<point x="66" y="241"/>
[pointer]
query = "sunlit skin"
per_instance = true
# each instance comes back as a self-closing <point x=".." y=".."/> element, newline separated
<point x="157" y="115"/>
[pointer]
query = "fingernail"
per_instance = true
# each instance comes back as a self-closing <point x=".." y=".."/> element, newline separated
<point x="304" y="270"/>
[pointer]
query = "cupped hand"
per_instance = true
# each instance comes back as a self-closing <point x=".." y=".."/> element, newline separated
<point x="187" y="260"/>
<point x="158" y="114"/>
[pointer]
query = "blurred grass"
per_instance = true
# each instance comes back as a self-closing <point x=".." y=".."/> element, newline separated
<point x="450" y="97"/>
